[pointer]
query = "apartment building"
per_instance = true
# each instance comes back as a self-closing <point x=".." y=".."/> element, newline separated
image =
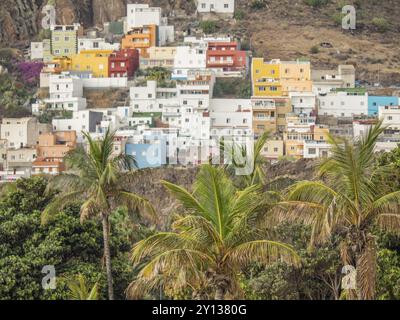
<point x="159" y="57"/>
<point x="278" y="78"/>
<point x="226" y="59"/>
<point x="344" y="103"/>
<point x="325" y="81"/>
<point x="303" y="102"/>
<point x="94" y="61"/>
<point x="231" y="118"/>
<point x="123" y="63"/>
<point x="141" y="38"/>
<point x="85" y="44"/>
<point x="66" y="93"/>
<point x="187" y="59"/>
<point x="273" y="149"/>
<point x="139" y="15"/>
<point x="374" y="102"/>
<point x="51" y="150"/>
<point x="64" y="39"/>
<point x="22" y="132"/>
<point x="81" y="121"/>
<point x="264" y="116"/>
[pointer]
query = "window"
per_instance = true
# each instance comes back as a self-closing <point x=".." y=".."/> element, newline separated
<point x="276" y="149"/>
<point x="66" y="38"/>
<point x="312" y="151"/>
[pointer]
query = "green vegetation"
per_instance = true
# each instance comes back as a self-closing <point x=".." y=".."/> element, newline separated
<point x="208" y="26"/>
<point x="316" y="3"/>
<point x="314" y="50"/>
<point x="381" y="24"/>
<point x="258" y="4"/>
<point x="95" y="178"/>
<point x="249" y="237"/>
<point x="232" y="88"/>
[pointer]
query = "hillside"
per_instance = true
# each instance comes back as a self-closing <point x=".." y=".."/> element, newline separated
<point x="285" y="29"/>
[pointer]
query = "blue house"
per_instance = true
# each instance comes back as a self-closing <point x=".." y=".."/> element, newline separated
<point x="374" y="102"/>
<point x="147" y="155"/>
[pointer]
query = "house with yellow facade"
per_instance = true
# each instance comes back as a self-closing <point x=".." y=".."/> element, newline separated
<point x="276" y="78"/>
<point x="159" y="57"/>
<point x="95" y="61"/>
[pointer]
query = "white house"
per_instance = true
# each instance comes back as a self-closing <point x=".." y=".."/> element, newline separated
<point x="390" y="116"/>
<point x="303" y="102"/>
<point x="188" y="58"/>
<point x="83" y="120"/>
<point x="314" y="149"/>
<point x="325" y="81"/>
<point x="343" y="103"/>
<point x="216" y="6"/>
<point x="96" y="44"/>
<point x="66" y="93"/>
<point x="231" y="117"/>
<point x="21" y="132"/>
<point x="37" y="51"/>
<point x="139" y="15"/>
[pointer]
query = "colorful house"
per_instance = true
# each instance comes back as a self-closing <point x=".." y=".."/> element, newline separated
<point x="141" y="38"/>
<point x="226" y="56"/>
<point x="123" y="63"/>
<point x="278" y="78"/>
<point x="147" y="155"/>
<point x="64" y="39"/>
<point x="95" y="61"/>
<point x="374" y="102"/>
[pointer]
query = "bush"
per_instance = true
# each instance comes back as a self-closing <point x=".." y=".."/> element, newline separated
<point x="316" y="3"/>
<point x="381" y="24"/>
<point x="314" y="50"/>
<point x="208" y="26"/>
<point x="258" y="4"/>
<point x="239" y="15"/>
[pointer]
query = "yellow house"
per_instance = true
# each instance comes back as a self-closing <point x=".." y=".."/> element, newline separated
<point x="273" y="149"/>
<point x="64" y="63"/>
<point x="278" y="78"/>
<point x="266" y="78"/>
<point x="95" y="61"/>
<point x="321" y="133"/>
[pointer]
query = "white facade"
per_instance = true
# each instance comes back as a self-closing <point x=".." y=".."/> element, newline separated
<point x="325" y="81"/>
<point x="96" y="44"/>
<point x="65" y="93"/>
<point x="316" y="149"/>
<point x="216" y="6"/>
<point x="139" y="15"/>
<point x="188" y="58"/>
<point x="21" y="132"/>
<point x="303" y="102"/>
<point x="231" y="117"/>
<point x="343" y="104"/>
<point x="390" y="116"/>
<point x="360" y="128"/>
<point x="166" y="34"/>
<point x="84" y="120"/>
<point x="37" y="51"/>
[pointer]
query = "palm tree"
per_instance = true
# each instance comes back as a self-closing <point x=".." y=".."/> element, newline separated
<point x="79" y="289"/>
<point x="95" y="177"/>
<point x="207" y="247"/>
<point x="348" y="199"/>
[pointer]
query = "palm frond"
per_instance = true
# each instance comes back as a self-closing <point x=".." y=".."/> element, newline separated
<point x="58" y="203"/>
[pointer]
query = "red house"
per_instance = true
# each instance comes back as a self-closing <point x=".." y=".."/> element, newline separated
<point x="226" y="55"/>
<point x="123" y="63"/>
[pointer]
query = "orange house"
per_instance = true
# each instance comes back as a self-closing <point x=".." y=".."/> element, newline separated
<point x="141" y="38"/>
<point x="51" y="150"/>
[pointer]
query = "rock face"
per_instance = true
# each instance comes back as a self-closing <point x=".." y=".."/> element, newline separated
<point x="20" y="20"/>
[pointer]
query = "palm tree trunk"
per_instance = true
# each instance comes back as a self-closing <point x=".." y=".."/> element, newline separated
<point x="107" y="256"/>
<point x="219" y="293"/>
<point x="366" y="270"/>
